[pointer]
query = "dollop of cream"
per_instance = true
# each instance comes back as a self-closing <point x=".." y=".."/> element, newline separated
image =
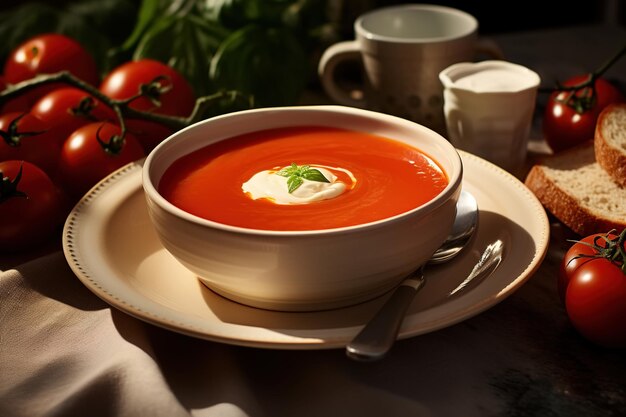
<point x="269" y="185"/>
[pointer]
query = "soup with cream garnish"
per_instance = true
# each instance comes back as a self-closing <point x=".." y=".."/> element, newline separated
<point x="302" y="178"/>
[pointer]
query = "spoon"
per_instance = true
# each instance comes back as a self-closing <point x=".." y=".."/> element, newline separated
<point x="376" y="338"/>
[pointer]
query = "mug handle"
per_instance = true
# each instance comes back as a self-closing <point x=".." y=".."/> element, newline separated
<point x="489" y="47"/>
<point x="333" y="56"/>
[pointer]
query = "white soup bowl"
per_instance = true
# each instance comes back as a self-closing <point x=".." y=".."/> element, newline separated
<point x="303" y="270"/>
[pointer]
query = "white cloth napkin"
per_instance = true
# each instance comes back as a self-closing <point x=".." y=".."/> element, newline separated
<point x="64" y="352"/>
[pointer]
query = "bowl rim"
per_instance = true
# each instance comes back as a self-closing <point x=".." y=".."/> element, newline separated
<point x="454" y="178"/>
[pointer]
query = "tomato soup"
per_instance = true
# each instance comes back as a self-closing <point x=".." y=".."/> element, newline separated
<point x="382" y="177"/>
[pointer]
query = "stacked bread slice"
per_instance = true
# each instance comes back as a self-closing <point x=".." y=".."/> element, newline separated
<point x="585" y="186"/>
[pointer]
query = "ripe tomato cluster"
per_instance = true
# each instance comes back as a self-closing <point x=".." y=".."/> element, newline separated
<point x="57" y="141"/>
<point x="592" y="286"/>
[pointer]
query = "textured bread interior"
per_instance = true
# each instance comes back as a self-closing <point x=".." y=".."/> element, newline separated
<point x="614" y="129"/>
<point x="581" y="177"/>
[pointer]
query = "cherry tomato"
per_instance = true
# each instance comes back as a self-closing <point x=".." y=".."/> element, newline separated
<point x="125" y="81"/>
<point x="47" y="54"/>
<point x="30" y="206"/>
<point x="563" y="127"/>
<point x="594" y="292"/>
<point x="90" y="154"/>
<point x="573" y="259"/>
<point x="26" y="137"/>
<point x="66" y="109"/>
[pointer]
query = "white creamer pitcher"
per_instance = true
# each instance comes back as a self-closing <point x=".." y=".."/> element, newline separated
<point x="489" y="107"/>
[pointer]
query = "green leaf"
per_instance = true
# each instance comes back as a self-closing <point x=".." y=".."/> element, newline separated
<point x="297" y="174"/>
<point x="267" y="63"/>
<point x="312" y="174"/>
<point x="187" y="44"/>
<point x="236" y="14"/>
<point x="149" y="11"/>
<point x="290" y="170"/>
<point x="293" y="182"/>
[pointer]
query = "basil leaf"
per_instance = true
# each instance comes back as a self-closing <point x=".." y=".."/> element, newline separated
<point x="312" y="174"/>
<point x="293" y="182"/>
<point x="290" y="170"/>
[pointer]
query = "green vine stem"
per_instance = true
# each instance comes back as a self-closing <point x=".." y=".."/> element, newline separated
<point x="591" y="79"/>
<point x="612" y="250"/>
<point x="122" y="107"/>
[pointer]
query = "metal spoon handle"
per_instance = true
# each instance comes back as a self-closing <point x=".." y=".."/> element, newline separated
<point x="379" y="334"/>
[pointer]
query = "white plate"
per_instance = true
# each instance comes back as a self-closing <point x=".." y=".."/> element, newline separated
<point x="112" y="248"/>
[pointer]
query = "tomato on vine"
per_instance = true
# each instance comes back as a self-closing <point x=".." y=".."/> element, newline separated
<point x="163" y="90"/>
<point x="592" y="284"/>
<point x="68" y="108"/>
<point x="92" y="152"/>
<point x="47" y="54"/>
<point x="30" y="205"/>
<point x="570" y="115"/>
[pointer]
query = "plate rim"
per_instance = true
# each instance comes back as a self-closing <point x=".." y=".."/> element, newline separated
<point x="94" y="284"/>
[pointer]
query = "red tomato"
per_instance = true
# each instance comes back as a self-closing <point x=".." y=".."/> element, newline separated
<point x="66" y="109"/>
<point x="563" y="127"/>
<point x="594" y="292"/>
<point x="572" y="259"/>
<point x="126" y="80"/>
<point x="85" y="161"/>
<point x="47" y="54"/>
<point x="26" y="137"/>
<point x="30" y="206"/>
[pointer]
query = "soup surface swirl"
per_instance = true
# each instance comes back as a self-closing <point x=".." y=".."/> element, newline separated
<point x="391" y="178"/>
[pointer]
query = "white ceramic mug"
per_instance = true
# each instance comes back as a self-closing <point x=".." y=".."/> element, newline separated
<point x="489" y="108"/>
<point x="403" y="49"/>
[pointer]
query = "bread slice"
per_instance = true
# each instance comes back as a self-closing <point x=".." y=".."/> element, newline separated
<point x="576" y="190"/>
<point x="610" y="142"/>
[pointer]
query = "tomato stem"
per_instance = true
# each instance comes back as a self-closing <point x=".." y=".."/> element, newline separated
<point x="14" y="138"/>
<point x="8" y="188"/>
<point x="113" y="145"/>
<point x="600" y="71"/>
<point x="121" y="107"/>
<point x="582" y="96"/>
<point x="613" y="249"/>
<point x="85" y="108"/>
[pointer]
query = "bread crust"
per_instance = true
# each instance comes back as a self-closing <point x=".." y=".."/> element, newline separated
<point x="612" y="160"/>
<point x="565" y="207"/>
